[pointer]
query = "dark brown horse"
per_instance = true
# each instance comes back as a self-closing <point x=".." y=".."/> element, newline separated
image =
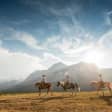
<point x="72" y="86"/>
<point x="41" y="86"/>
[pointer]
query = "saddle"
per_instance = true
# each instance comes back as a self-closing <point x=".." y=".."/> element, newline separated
<point x="43" y="84"/>
<point x="67" y="84"/>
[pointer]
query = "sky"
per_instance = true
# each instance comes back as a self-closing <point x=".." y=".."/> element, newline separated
<point x="34" y="34"/>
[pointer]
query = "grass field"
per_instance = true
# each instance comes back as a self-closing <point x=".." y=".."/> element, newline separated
<point x="59" y="102"/>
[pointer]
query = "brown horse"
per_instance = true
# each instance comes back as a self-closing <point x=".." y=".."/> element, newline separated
<point x="100" y="85"/>
<point x="72" y="86"/>
<point x="41" y="86"/>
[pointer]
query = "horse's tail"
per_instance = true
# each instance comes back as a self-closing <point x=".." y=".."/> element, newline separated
<point x="78" y="89"/>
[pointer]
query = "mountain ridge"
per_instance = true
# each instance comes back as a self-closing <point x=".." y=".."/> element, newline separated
<point x="77" y="72"/>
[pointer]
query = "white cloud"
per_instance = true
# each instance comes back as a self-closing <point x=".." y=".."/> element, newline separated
<point x="107" y="61"/>
<point x="17" y="65"/>
<point x="51" y="42"/>
<point x="106" y="40"/>
<point x="74" y="47"/>
<point x="109" y="18"/>
<point x="28" y="39"/>
<point x="65" y="11"/>
<point x="72" y="39"/>
<point x="109" y="13"/>
<point x="24" y="37"/>
<point x="49" y="59"/>
<point x="0" y="42"/>
<point x="71" y="44"/>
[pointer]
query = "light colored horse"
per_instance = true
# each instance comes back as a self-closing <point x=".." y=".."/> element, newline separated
<point x="41" y="86"/>
<point x="101" y="85"/>
<point x="72" y="86"/>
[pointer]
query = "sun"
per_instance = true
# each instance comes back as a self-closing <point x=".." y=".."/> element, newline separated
<point x="94" y="56"/>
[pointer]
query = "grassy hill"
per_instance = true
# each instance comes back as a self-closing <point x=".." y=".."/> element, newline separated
<point x="59" y="102"/>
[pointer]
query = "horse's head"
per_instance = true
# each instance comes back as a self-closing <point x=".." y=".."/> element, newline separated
<point x="58" y="84"/>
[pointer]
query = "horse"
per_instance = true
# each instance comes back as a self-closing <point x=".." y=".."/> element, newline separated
<point x="41" y="86"/>
<point x="100" y="85"/>
<point x="72" y="86"/>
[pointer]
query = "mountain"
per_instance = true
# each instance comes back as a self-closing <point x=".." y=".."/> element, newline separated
<point x="81" y="73"/>
<point x="8" y="84"/>
<point x="57" y="66"/>
<point x="107" y="74"/>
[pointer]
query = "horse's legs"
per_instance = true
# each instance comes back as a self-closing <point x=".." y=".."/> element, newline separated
<point x="51" y="91"/>
<point x="75" y="91"/>
<point x="39" y="92"/>
<point x="110" y="89"/>
<point x="103" y="92"/>
<point x="72" y="91"/>
<point x="98" y="91"/>
<point x="47" y="91"/>
<point x="64" y="91"/>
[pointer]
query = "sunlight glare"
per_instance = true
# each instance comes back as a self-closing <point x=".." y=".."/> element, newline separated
<point x="94" y="57"/>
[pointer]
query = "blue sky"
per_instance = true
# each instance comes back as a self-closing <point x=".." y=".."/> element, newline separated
<point x="34" y="34"/>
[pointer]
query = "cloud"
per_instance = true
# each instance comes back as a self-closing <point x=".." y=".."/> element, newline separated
<point x="0" y="42"/>
<point x="107" y="61"/>
<point x="106" y="40"/>
<point x="103" y="46"/>
<point x="109" y="18"/>
<point x="24" y="37"/>
<point x="71" y="40"/>
<point x="50" y="59"/>
<point x="20" y="22"/>
<point x="17" y="65"/>
<point x="71" y="43"/>
<point x="66" y="11"/>
<point x="57" y="8"/>
<point x="28" y="39"/>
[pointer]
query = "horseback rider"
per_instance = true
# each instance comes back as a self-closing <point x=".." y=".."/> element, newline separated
<point x="67" y="79"/>
<point x="101" y="80"/>
<point x="43" y="80"/>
